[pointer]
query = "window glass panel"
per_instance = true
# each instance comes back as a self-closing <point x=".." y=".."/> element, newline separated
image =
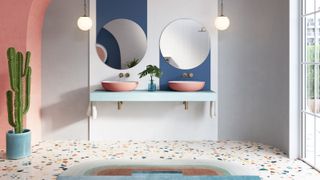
<point x="310" y="40"/>
<point x="317" y="89"/>
<point x="317" y="5"/>
<point x="309" y="138"/>
<point x="309" y="89"/>
<point x="316" y="37"/>
<point x="303" y="88"/>
<point x="318" y="142"/>
<point x="309" y="6"/>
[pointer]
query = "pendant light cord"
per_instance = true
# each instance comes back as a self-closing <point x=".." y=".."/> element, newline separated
<point x="221" y="4"/>
<point x="85" y="7"/>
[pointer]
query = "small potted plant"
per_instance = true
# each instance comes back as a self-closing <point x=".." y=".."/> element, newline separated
<point x="18" y="140"/>
<point x="133" y="63"/>
<point x="153" y="71"/>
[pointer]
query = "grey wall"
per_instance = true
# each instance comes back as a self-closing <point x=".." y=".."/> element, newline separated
<point x="64" y="72"/>
<point x="254" y="72"/>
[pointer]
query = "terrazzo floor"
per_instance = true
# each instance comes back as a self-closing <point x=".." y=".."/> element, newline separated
<point x="50" y="158"/>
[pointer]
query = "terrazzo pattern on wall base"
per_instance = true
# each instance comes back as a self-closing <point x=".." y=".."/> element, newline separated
<point x="50" y="158"/>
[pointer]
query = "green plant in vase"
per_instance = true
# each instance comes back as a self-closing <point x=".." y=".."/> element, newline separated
<point x="153" y="71"/>
<point x="18" y="102"/>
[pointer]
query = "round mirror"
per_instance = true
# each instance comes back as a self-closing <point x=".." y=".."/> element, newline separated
<point x="121" y="44"/>
<point x="185" y="44"/>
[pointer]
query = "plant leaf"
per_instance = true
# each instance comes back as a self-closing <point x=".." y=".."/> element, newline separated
<point x="152" y="70"/>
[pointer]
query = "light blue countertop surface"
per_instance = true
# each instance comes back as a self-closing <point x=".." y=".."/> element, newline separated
<point x="100" y="95"/>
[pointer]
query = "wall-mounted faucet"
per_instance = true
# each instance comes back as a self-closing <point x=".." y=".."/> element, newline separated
<point x="187" y="75"/>
<point x="126" y="75"/>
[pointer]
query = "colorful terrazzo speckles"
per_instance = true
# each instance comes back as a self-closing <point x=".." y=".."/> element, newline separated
<point x="50" y="158"/>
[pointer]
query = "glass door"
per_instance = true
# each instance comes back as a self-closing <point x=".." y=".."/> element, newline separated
<point x="310" y="63"/>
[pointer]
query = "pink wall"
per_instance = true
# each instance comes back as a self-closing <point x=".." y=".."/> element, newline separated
<point x="20" y="26"/>
<point x="34" y="39"/>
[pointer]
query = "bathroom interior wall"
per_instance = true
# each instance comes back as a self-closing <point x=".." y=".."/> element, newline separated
<point x="155" y="120"/>
<point x="64" y="72"/>
<point x="254" y="72"/>
<point x="65" y="78"/>
<point x="253" y="77"/>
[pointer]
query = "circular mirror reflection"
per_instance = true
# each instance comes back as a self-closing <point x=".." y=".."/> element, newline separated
<point x="185" y="44"/>
<point x="121" y="44"/>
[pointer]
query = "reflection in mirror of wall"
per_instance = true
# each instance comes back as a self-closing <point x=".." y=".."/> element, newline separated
<point x="121" y="44"/>
<point x="185" y="44"/>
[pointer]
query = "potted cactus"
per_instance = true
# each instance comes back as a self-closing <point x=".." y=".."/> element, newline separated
<point x="18" y="140"/>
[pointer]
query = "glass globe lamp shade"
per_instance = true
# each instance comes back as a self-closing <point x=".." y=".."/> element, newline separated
<point x="222" y="23"/>
<point x="84" y="23"/>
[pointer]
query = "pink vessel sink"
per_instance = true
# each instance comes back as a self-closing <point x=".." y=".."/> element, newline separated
<point x="186" y="86"/>
<point x="119" y="86"/>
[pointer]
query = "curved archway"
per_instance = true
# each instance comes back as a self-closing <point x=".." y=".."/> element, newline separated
<point x="21" y="27"/>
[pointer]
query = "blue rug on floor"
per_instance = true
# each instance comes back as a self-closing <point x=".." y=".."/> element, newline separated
<point x="158" y="177"/>
<point x="158" y="170"/>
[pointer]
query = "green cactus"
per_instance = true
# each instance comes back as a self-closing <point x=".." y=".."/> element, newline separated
<point x="19" y="72"/>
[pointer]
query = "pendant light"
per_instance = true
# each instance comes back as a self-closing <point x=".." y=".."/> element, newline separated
<point x="84" y="22"/>
<point x="222" y="22"/>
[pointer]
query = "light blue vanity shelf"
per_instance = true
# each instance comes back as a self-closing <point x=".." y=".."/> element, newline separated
<point x="146" y="96"/>
<point x="199" y="96"/>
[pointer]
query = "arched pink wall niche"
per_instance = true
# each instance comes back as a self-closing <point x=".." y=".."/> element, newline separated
<point x="20" y="27"/>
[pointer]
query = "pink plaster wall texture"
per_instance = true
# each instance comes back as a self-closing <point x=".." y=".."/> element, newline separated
<point x="20" y="27"/>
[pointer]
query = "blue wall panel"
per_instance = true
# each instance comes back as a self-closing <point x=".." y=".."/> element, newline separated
<point x="201" y="73"/>
<point x="136" y="10"/>
<point x="108" y="10"/>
